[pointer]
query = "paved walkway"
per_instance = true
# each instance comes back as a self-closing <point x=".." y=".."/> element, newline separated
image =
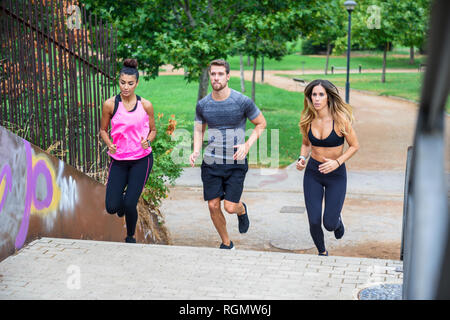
<point x="51" y="268"/>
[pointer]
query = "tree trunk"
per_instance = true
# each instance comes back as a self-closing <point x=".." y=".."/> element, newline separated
<point x="253" y="79"/>
<point x="328" y="56"/>
<point x="411" y="55"/>
<point x="262" y="69"/>
<point x="383" y="73"/>
<point x="248" y="60"/>
<point x="241" y="66"/>
<point x="203" y="83"/>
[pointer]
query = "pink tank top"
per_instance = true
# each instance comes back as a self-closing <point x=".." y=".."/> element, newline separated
<point x="127" y="128"/>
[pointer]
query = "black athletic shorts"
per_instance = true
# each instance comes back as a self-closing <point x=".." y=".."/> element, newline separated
<point x="223" y="180"/>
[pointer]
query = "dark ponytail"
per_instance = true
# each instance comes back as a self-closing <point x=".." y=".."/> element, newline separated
<point x="130" y="68"/>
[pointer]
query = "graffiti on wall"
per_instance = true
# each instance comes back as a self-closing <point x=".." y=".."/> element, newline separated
<point x="43" y="196"/>
<point x="31" y="185"/>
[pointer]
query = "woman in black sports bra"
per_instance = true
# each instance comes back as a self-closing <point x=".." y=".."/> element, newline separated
<point x="325" y="123"/>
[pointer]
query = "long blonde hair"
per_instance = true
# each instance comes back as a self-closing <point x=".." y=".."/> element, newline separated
<point x="341" y="112"/>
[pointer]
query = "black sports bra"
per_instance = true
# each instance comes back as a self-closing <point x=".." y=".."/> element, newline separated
<point x="333" y="140"/>
<point x="118" y="99"/>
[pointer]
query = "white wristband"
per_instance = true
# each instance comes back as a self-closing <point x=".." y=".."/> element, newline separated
<point x="301" y="157"/>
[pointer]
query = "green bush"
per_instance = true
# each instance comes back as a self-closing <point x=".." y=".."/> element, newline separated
<point x="309" y="48"/>
<point x="164" y="169"/>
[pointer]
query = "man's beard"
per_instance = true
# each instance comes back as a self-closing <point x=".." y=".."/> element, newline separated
<point x="217" y="86"/>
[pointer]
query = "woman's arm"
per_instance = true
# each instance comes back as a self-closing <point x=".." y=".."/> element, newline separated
<point x="108" y="107"/>
<point x="148" y="107"/>
<point x="305" y="150"/>
<point x="353" y="145"/>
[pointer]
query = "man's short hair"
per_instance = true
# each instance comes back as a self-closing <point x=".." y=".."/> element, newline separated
<point x="220" y="62"/>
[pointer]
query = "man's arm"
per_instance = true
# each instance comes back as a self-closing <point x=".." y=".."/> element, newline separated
<point x="199" y="132"/>
<point x="243" y="149"/>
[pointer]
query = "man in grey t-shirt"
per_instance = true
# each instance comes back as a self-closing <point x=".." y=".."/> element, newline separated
<point x="225" y="112"/>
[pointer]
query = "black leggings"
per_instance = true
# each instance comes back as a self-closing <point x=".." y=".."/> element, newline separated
<point x="133" y="175"/>
<point x="315" y="185"/>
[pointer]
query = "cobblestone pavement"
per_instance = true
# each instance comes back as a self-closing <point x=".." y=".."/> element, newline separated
<point x="51" y="268"/>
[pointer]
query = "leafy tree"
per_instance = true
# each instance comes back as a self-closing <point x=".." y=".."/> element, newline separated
<point x="327" y="25"/>
<point x="185" y="33"/>
<point x="380" y="23"/>
<point x="415" y="15"/>
<point x="190" y="33"/>
<point x="267" y="28"/>
<point x="138" y="24"/>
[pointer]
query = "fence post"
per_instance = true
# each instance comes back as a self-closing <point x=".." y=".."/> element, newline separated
<point x="405" y="199"/>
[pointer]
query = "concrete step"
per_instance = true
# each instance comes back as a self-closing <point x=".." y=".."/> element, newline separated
<point x="52" y="268"/>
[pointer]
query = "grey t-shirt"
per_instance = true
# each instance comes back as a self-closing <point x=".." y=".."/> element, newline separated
<point x="226" y="124"/>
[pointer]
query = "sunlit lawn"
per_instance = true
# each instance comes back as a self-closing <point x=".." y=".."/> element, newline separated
<point x="316" y="62"/>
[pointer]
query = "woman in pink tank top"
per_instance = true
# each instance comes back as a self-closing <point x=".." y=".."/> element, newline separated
<point x="132" y="131"/>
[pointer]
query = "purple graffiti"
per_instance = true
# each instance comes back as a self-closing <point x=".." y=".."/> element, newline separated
<point x="6" y="172"/>
<point x="32" y="175"/>
<point x="23" y="230"/>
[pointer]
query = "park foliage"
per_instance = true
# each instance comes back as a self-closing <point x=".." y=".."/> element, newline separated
<point x="190" y="33"/>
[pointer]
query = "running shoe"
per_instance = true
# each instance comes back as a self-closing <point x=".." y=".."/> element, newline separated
<point x="230" y="247"/>
<point x="243" y="221"/>
<point x="339" y="232"/>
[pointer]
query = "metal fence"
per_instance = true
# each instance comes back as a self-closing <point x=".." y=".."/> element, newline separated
<point x="57" y="66"/>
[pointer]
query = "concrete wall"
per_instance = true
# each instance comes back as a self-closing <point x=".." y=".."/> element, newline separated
<point x="41" y="196"/>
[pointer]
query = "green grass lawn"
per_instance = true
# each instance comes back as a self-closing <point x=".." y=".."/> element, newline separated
<point x="294" y="62"/>
<point x="404" y="85"/>
<point x="172" y="95"/>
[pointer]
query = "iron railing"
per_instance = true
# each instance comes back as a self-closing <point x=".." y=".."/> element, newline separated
<point x="427" y="240"/>
<point x="57" y="66"/>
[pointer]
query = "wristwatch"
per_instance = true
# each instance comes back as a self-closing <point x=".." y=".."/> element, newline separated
<point x="301" y="157"/>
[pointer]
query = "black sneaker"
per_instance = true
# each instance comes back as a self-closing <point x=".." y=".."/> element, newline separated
<point x="129" y="239"/>
<point x="323" y="254"/>
<point x="339" y="232"/>
<point x="243" y="221"/>
<point x="230" y="247"/>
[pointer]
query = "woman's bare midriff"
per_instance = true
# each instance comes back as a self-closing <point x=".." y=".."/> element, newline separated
<point x="319" y="153"/>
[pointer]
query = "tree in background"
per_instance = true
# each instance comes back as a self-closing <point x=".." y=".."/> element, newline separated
<point x="185" y="33"/>
<point x="376" y="26"/>
<point x="138" y="24"/>
<point x="415" y="14"/>
<point x="266" y="30"/>
<point x="190" y="33"/>
<point x="380" y="23"/>
<point x="200" y="31"/>
<point x="327" y="25"/>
